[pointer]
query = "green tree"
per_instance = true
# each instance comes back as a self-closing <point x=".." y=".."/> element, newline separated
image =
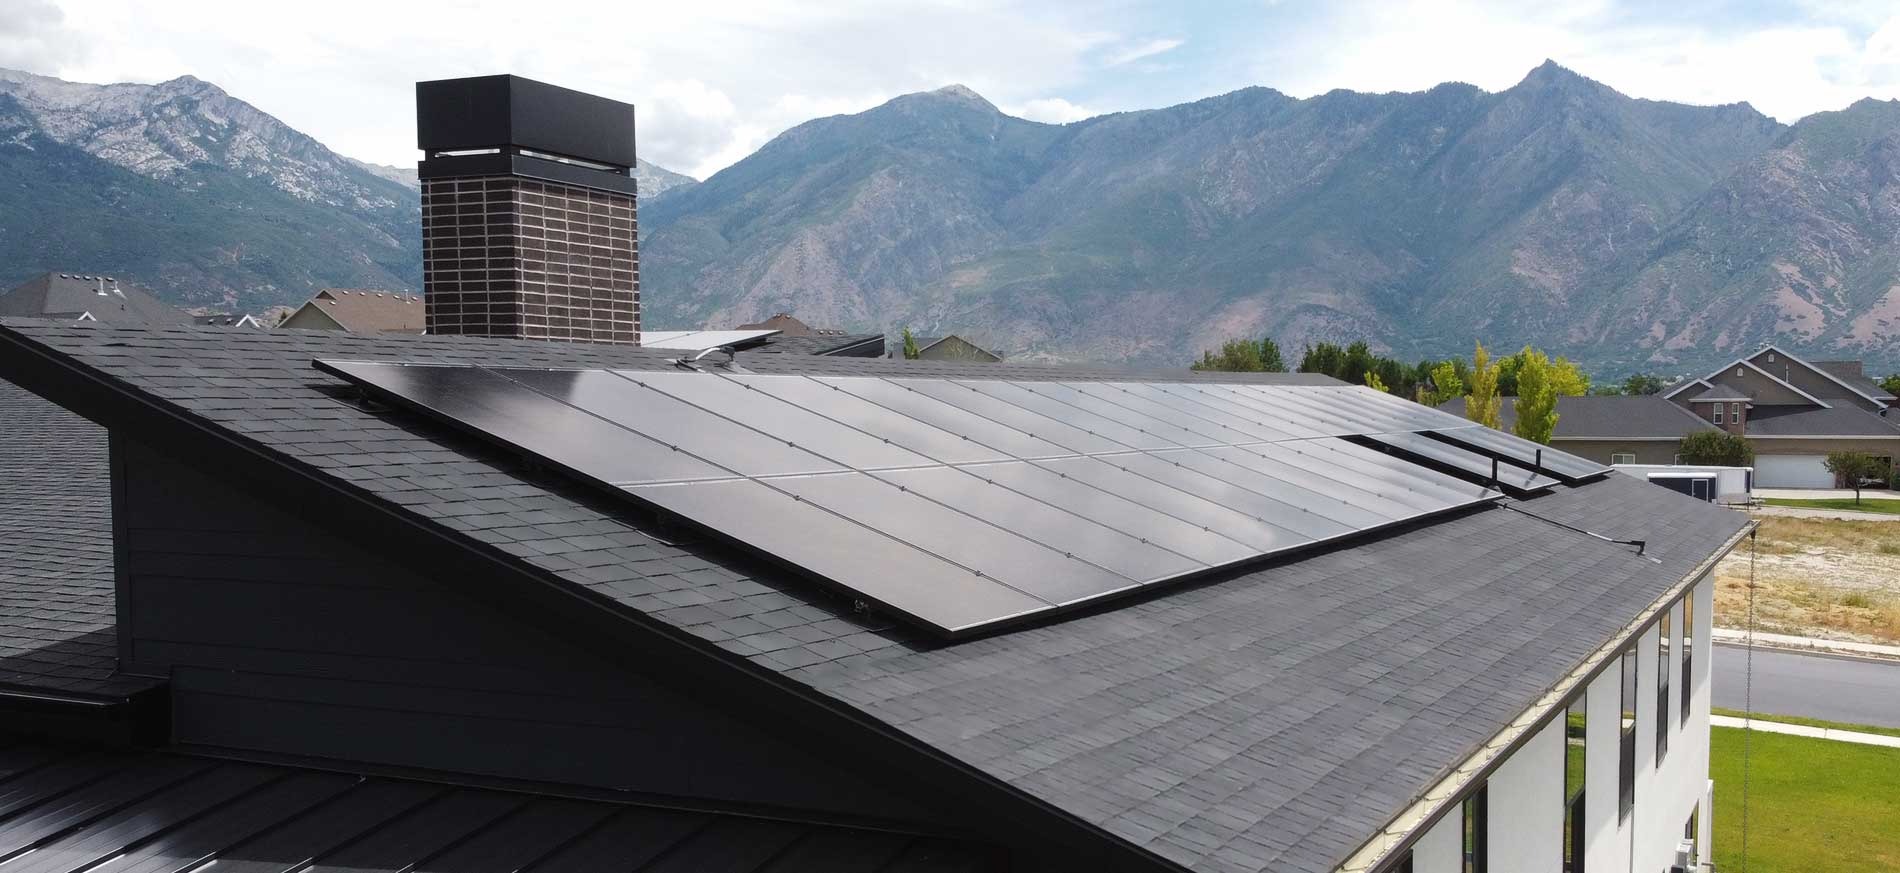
<point x="1715" y="448"/>
<point x="1854" y="467"/>
<point x="1642" y="383"/>
<point x="1537" y="378"/>
<point x="1270" y="358"/>
<point x="1375" y="383"/>
<point x="1442" y="383"/>
<point x="1567" y="379"/>
<point x="1891" y="384"/>
<point x="1235" y="356"/>
<point x="1481" y="405"/>
<point x="910" y="346"/>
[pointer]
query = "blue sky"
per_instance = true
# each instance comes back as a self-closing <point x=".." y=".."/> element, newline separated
<point x="714" y="80"/>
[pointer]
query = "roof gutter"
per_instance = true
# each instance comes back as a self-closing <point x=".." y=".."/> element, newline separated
<point x="1405" y="828"/>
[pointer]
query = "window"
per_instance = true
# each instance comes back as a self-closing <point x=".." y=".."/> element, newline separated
<point x="1688" y="650"/>
<point x="1404" y="864"/>
<point x="1738" y="371"/>
<point x="1477" y="846"/>
<point x="1735" y="413"/>
<point x="1576" y="731"/>
<point x="1622" y="457"/>
<point x="1626" y="743"/>
<point x="1663" y="665"/>
<point x="1771" y="357"/>
<point x="1715" y="414"/>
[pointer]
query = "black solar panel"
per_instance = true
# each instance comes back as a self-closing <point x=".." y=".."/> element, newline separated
<point x="960" y="504"/>
<point x="1509" y="475"/>
<point x="1544" y="459"/>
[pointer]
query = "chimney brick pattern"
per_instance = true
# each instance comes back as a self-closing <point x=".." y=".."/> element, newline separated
<point x="537" y="259"/>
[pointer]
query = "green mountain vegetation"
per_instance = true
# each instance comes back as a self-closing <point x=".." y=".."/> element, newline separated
<point x="1628" y="235"/>
<point x="1557" y="213"/>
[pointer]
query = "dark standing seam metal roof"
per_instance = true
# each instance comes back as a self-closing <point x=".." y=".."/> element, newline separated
<point x="1836" y="421"/>
<point x="1270" y="719"/>
<point x="821" y="344"/>
<point x="56" y="591"/>
<point x="62" y="811"/>
<point x="1606" y="417"/>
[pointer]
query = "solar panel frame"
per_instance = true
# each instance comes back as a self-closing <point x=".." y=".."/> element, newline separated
<point x="1028" y="548"/>
<point x="1509" y="475"/>
<point x="1486" y="441"/>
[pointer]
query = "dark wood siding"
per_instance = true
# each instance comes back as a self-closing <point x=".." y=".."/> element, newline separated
<point x="282" y="636"/>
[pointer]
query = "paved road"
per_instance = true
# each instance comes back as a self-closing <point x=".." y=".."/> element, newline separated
<point x="1852" y="690"/>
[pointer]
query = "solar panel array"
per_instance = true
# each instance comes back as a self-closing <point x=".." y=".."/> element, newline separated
<point x="964" y="503"/>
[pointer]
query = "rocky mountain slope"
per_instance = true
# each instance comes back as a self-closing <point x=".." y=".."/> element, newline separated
<point x="199" y="196"/>
<point x="1553" y="212"/>
<point x="193" y="193"/>
<point x="1628" y="234"/>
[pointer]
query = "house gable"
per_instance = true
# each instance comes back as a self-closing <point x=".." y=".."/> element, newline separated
<point x="1813" y="379"/>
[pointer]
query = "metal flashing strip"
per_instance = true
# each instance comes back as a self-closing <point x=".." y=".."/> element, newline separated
<point x="1405" y="828"/>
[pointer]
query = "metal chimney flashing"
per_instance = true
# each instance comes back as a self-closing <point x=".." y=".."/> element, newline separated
<point x="511" y="113"/>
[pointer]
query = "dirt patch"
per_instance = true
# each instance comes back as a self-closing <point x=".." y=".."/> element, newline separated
<point x="1827" y="578"/>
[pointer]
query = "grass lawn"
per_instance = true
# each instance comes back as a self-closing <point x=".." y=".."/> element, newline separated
<point x="1891" y="507"/>
<point x="1812" y="722"/>
<point x="1815" y="806"/>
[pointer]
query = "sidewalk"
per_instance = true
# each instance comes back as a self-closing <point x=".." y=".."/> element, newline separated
<point x="1807" y="644"/>
<point x="1841" y="514"/>
<point x="1801" y="730"/>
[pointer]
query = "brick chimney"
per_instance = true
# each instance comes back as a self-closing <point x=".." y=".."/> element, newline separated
<point x="529" y="222"/>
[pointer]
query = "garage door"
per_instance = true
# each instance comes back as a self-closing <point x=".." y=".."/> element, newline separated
<point x="1792" y="471"/>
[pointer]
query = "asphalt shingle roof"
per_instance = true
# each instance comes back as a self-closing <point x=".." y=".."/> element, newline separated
<point x="56" y="587"/>
<point x="1606" y="417"/>
<point x="1840" y="420"/>
<point x="1273" y="718"/>
<point x="64" y="297"/>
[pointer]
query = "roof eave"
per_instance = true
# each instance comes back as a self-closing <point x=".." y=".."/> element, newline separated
<point x="1408" y="826"/>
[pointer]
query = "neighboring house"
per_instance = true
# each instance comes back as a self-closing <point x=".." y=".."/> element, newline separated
<point x="227" y="320"/>
<point x="837" y="344"/>
<point x="465" y="603"/>
<point x="77" y="297"/>
<point x="1793" y="413"/>
<point x="1643" y="429"/>
<point x="949" y="348"/>
<point x="359" y="310"/>
<point x="794" y="337"/>
<point x="785" y="324"/>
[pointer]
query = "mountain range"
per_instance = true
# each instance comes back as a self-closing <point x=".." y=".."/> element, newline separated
<point x="1628" y="234"/>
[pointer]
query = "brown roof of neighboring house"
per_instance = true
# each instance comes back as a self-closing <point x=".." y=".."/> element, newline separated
<point x="366" y="310"/>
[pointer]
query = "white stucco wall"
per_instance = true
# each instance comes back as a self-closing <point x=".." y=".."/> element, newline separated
<point x="1441" y="850"/>
<point x="1525" y="805"/>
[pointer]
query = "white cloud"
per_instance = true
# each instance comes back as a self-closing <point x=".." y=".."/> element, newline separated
<point x="34" y="35"/>
<point x="1786" y="69"/>
<point x="1144" y="50"/>
<point x="1053" y="110"/>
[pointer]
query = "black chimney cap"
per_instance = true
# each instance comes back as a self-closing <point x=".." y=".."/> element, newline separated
<point x="486" y="112"/>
